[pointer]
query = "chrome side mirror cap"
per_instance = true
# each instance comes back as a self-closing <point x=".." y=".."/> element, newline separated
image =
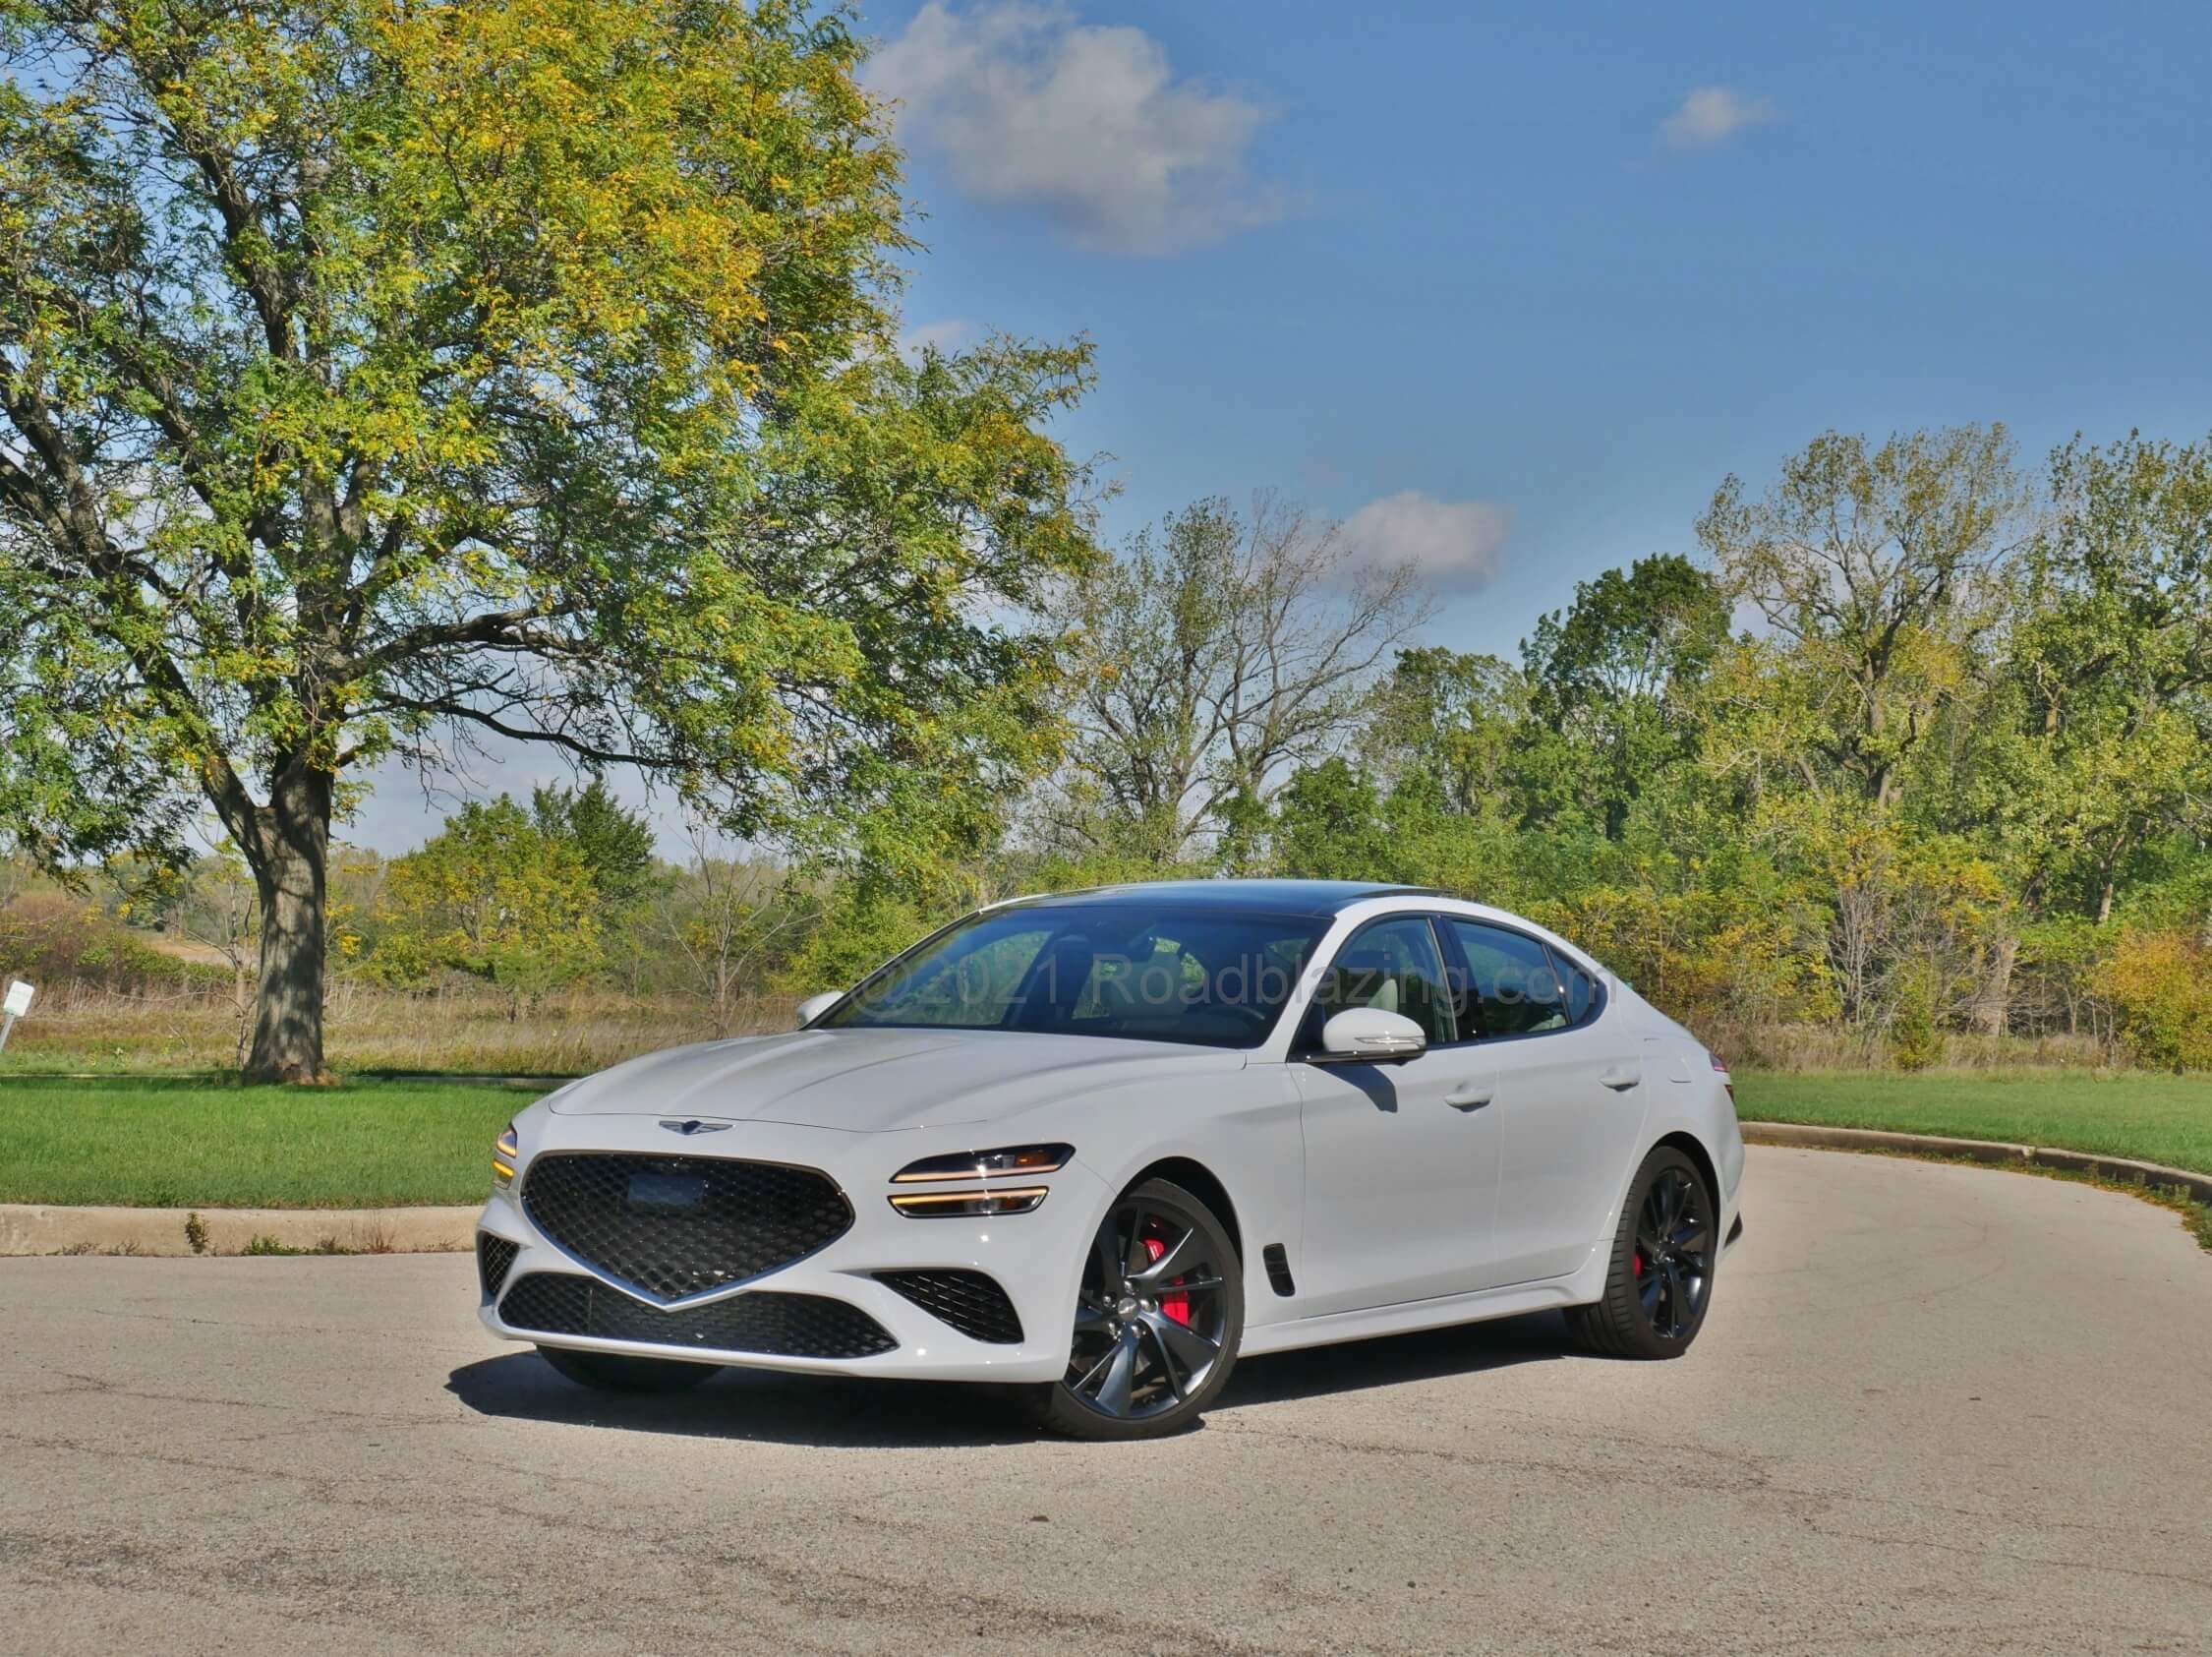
<point x="1371" y="1035"/>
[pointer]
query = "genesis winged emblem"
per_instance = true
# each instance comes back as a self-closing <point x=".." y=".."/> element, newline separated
<point x="694" y="1126"/>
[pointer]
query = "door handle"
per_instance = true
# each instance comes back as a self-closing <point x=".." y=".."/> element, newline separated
<point x="1471" y="1097"/>
<point x="1621" y="1077"/>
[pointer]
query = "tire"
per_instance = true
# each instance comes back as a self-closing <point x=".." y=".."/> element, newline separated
<point x="610" y="1372"/>
<point x="1659" y="1281"/>
<point x="1142" y="1365"/>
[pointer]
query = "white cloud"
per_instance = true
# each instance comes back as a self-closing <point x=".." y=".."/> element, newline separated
<point x="1456" y="544"/>
<point x="948" y="337"/>
<point x="1025" y="106"/>
<point x="1713" y="113"/>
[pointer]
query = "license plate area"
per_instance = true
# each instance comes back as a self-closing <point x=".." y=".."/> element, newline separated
<point x="667" y="1193"/>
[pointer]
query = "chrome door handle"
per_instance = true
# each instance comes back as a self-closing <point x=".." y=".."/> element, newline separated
<point x="1468" y="1099"/>
<point x="1621" y="1077"/>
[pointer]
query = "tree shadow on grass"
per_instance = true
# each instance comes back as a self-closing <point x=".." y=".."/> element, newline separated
<point x="844" y="1412"/>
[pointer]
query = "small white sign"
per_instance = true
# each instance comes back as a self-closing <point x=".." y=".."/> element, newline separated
<point x="19" y="1000"/>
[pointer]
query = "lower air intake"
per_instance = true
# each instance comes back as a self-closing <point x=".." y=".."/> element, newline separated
<point x="766" y="1322"/>
<point x="495" y="1256"/>
<point x="970" y="1301"/>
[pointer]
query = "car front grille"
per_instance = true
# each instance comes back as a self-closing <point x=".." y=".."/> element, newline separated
<point x="765" y="1321"/>
<point x="970" y="1301"/>
<point x="675" y="1226"/>
<point x="494" y="1257"/>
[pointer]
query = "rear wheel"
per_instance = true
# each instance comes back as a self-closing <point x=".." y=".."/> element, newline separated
<point x="1157" y="1321"/>
<point x="610" y="1372"/>
<point x="1661" y="1280"/>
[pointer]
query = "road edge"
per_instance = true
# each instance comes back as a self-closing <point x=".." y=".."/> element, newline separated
<point x="2122" y="1170"/>
<point x="41" y="1228"/>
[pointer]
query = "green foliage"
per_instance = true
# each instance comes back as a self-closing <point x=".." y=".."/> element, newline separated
<point x="614" y="846"/>
<point x="2160" y="985"/>
<point x="380" y="379"/>
<point x="492" y="896"/>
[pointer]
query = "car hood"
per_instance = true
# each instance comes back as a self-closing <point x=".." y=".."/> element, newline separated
<point x="869" y="1081"/>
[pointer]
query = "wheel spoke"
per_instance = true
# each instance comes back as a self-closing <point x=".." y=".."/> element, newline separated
<point x="1162" y="1361"/>
<point x="1089" y="1320"/>
<point x="1174" y="1259"/>
<point x="1648" y="1291"/>
<point x="1677" y="1301"/>
<point x="1121" y="1374"/>
<point x="1692" y="1236"/>
<point x="1193" y="1350"/>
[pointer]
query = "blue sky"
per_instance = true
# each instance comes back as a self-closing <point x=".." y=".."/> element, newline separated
<point x="1540" y="277"/>
<point x="1460" y="251"/>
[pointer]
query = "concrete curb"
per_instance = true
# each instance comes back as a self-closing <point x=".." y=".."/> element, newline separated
<point x="36" y="1229"/>
<point x="2126" y="1169"/>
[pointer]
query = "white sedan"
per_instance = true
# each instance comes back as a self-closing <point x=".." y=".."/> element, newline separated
<point x="1097" y="1145"/>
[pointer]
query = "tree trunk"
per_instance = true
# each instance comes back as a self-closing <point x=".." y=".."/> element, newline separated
<point x="291" y="870"/>
<point x="1993" y="1005"/>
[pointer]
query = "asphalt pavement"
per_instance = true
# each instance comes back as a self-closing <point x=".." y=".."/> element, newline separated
<point x="1935" y="1409"/>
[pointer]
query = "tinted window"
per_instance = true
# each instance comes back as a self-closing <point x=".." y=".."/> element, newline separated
<point x="1392" y="964"/>
<point x="1170" y="972"/>
<point x="1511" y="977"/>
<point x="1580" y="989"/>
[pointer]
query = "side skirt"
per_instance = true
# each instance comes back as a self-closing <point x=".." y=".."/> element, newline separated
<point x="1411" y="1315"/>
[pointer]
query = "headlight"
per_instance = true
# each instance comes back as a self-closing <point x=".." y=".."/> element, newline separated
<point x="985" y="1164"/>
<point x="504" y="1151"/>
<point x="1010" y="1159"/>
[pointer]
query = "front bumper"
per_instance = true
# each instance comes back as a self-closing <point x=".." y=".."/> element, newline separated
<point x="1037" y="1258"/>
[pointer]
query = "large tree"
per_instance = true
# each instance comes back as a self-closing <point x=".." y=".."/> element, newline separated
<point x="376" y="375"/>
<point x="1216" y="656"/>
<point x="1880" y="567"/>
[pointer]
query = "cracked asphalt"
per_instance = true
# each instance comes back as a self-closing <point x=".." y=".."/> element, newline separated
<point x="1935" y="1409"/>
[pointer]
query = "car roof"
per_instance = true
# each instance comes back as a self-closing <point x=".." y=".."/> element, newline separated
<point x="1317" y="898"/>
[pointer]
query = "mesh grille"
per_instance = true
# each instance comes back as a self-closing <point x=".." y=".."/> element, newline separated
<point x="493" y="1255"/>
<point x="970" y="1301"/>
<point x="672" y="1226"/>
<point x="765" y="1321"/>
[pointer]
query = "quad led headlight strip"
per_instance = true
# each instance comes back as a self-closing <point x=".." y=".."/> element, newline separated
<point x="975" y="1165"/>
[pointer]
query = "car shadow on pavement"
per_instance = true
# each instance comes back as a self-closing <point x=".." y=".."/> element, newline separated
<point x="1396" y="1359"/>
<point x="840" y="1412"/>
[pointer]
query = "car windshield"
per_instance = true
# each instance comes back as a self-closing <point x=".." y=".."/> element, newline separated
<point x="1164" y="973"/>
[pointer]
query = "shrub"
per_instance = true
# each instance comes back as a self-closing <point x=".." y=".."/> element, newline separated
<point x="2160" y="986"/>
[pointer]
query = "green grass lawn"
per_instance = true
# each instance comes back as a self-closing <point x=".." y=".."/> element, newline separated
<point x="2158" y="1118"/>
<point x="166" y="1142"/>
<point x="162" y="1141"/>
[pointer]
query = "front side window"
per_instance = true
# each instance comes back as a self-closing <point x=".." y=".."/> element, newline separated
<point x="1162" y="973"/>
<point x="1392" y="964"/>
<point x="1510" y="982"/>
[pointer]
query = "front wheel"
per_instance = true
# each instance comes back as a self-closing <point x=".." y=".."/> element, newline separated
<point x="1157" y="1321"/>
<point x="1660" y="1281"/>
<point x="611" y="1372"/>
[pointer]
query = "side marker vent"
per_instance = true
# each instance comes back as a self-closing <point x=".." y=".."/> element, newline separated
<point x="1278" y="1268"/>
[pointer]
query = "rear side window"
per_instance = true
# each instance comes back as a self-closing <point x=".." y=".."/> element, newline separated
<point x="1581" y="991"/>
<point x="1511" y="979"/>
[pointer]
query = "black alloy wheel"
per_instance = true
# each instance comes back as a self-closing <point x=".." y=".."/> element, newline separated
<point x="1157" y="1320"/>
<point x="1659" y="1279"/>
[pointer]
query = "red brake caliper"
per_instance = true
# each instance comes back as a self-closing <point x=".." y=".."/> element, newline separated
<point x="1636" y="1262"/>
<point x="1175" y="1306"/>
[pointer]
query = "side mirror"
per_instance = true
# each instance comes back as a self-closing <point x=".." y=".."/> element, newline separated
<point x="1371" y="1035"/>
<point x="814" y="1006"/>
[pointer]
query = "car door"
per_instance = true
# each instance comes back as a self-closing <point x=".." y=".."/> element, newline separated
<point x="1567" y="1104"/>
<point x="1401" y="1159"/>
